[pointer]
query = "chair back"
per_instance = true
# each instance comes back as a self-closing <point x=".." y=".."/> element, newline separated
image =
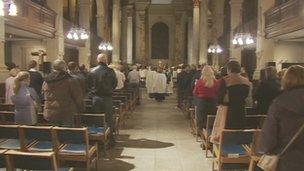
<point x="236" y="137"/>
<point x="255" y="121"/>
<point x="250" y="111"/>
<point x="9" y="132"/>
<point x="31" y="161"/>
<point x="7" y="117"/>
<point x="71" y="135"/>
<point x="38" y="133"/>
<point x="89" y="120"/>
<point x="7" y="107"/>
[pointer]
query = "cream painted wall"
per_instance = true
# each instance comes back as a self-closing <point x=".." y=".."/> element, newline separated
<point x="291" y="52"/>
<point x="21" y="53"/>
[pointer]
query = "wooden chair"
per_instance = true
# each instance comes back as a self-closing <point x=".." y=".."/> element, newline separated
<point x="2" y="159"/>
<point x="206" y="133"/>
<point x="255" y="121"/>
<point x="231" y="152"/>
<point x="193" y="124"/>
<point x="7" y="117"/>
<point x="41" y="121"/>
<point x="36" y="138"/>
<point x="6" y="107"/>
<point x="9" y="137"/>
<point x="97" y="128"/>
<point x="32" y="161"/>
<point x="73" y="148"/>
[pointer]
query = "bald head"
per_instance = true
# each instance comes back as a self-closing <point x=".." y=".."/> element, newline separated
<point x="102" y="58"/>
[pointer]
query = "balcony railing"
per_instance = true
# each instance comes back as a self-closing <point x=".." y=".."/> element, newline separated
<point x="285" y="18"/>
<point x="33" y="18"/>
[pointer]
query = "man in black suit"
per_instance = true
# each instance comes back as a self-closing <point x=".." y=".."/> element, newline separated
<point x="36" y="79"/>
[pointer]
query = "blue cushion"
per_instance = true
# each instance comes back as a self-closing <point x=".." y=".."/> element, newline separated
<point x="96" y="130"/>
<point x="74" y="148"/>
<point x="233" y="150"/>
<point x="11" y="144"/>
<point x="42" y="146"/>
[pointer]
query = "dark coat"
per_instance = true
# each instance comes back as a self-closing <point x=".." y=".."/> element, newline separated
<point x="285" y="117"/>
<point x="266" y="92"/>
<point x="102" y="81"/>
<point x="237" y="88"/>
<point x="184" y="80"/>
<point x="63" y="97"/>
<point x="36" y="81"/>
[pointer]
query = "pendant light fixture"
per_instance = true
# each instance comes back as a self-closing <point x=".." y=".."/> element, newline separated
<point x="8" y="7"/>
<point x="242" y="38"/>
<point x="105" y="46"/>
<point x="76" y="32"/>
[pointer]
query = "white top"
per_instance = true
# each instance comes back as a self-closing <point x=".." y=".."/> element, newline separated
<point x="121" y="78"/>
<point x="160" y="83"/>
<point x="150" y="78"/>
<point x="134" y="77"/>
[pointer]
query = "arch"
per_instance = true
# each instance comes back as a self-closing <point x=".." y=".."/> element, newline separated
<point x="160" y="41"/>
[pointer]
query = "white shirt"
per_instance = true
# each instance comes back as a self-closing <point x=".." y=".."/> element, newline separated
<point x="134" y="77"/>
<point x="121" y="78"/>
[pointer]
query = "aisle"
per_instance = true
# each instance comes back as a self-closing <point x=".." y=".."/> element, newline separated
<point x="157" y="138"/>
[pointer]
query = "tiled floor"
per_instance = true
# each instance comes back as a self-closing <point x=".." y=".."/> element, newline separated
<point x="157" y="138"/>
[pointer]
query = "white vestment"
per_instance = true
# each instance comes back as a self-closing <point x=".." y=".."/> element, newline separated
<point x="150" y="78"/>
<point x="160" y="83"/>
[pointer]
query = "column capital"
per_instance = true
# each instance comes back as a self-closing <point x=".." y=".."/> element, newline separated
<point x="196" y="3"/>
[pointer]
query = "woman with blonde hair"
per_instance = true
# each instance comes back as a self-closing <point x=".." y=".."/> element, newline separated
<point x="25" y="99"/>
<point x="284" y="119"/>
<point x="205" y="92"/>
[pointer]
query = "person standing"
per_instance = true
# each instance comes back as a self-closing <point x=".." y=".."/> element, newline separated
<point x="150" y="81"/>
<point x="205" y="92"/>
<point x="25" y="99"/>
<point x="284" y="118"/>
<point x="9" y="82"/>
<point x="36" y="79"/>
<point x="268" y="89"/>
<point x="184" y="87"/>
<point x="121" y="78"/>
<point x="62" y="97"/>
<point x="134" y="80"/>
<point x="233" y="91"/>
<point x="103" y="82"/>
<point x="160" y="85"/>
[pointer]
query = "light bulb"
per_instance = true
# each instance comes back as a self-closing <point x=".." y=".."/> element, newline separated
<point x="82" y="36"/>
<point x="249" y="40"/>
<point x="1" y="12"/>
<point x="219" y="50"/>
<point x="234" y="41"/>
<point x="1" y="4"/>
<point x="240" y="41"/>
<point x="70" y="36"/>
<point x="110" y="47"/>
<point x="209" y="50"/>
<point x="75" y="36"/>
<point x="12" y="9"/>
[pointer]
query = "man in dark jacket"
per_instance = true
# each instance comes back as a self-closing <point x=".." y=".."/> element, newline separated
<point x="184" y="80"/>
<point x="102" y="83"/>
<point x="62" y="97"/>
<point x="36" y="79"/>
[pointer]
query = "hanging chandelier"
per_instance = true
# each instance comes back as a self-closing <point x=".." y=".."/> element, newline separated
<point x="242" y="39"/>
<point x="8" y="7"/>
<point x="77" y="33"/>
<point x="105" y="46"/>
<point x="215" y="49"/>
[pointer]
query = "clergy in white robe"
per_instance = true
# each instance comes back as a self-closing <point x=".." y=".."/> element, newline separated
<point x="150" y="78"/>
<point x="160" y="86"/>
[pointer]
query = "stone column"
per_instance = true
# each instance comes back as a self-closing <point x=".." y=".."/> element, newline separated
<point x="84" y="21"/>
<point x="101" y="19"/>
<point x="236" y="12"/>
<point x="116" y="31"/>
<point x="3" y="70"/>
<point x="55" y="46"/>
<point x="195" y="38"/>
<point x="130" y="37"/>
<point x="190" y="40"/>
<point x="141" y="36"/>
<point x="203" y="52"/>
<point x="265" y="47"/>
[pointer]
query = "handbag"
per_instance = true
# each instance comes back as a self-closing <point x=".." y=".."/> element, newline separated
<point x="270" y="162"/>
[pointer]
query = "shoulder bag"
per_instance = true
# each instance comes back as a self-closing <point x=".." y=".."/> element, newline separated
<point x="270" y="162"/>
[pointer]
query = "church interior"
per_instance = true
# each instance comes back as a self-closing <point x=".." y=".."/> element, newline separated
<point x="173" y="39"/>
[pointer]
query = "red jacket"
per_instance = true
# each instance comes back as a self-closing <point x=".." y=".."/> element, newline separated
<point x="201" y="91"/>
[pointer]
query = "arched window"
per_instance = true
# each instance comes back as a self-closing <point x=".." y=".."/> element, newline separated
<point x="160" y="41"/>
